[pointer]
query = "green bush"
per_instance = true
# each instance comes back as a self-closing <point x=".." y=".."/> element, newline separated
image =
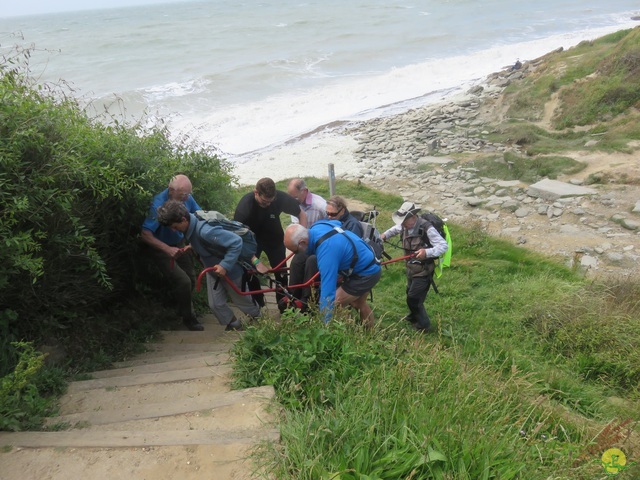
<point x="73" y="193"/>
<point x="23" y="403"/>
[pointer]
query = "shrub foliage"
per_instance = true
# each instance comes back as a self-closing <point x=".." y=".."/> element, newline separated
<point x="73" y="193"/>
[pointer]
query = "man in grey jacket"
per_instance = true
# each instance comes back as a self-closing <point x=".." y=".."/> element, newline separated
<point x="217" y="248"/>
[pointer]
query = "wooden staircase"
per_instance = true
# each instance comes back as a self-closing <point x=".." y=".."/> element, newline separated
<point x="166" y="414"/>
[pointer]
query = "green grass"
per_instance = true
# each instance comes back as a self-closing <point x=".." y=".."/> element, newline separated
<point x="526" y="169"/>
<point x="528" y="366"/>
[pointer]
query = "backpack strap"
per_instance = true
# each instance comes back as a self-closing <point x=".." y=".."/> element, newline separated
<point x="331" y="233"/>
<point x="354" y="259"/>
<point x="422" y="231"/>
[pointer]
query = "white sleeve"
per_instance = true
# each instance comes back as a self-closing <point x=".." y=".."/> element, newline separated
<point x="440" y="245"/>
<point x="393" y="231"/>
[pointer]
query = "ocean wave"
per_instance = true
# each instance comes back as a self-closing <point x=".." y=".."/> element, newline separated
<point x="159" y="93"/>
<point x="245" y="127"/>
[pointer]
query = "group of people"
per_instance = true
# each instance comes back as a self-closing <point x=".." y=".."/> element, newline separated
<point x="324" y="237"/>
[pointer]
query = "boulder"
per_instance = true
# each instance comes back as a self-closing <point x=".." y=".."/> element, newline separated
<point x="554" y="189"/>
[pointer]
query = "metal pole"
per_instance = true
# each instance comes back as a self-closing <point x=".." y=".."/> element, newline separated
<point x="332" y="180"/>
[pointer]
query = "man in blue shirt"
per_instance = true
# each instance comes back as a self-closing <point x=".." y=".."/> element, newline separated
<point x="217" y="248"/>
<point x="343" y="254"/>
<point x="167" y="249"/>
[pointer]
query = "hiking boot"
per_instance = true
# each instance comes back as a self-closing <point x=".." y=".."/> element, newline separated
<point x="422" y="329"/>
<point x="234" y="326"/>
<point x="194" y="325"/>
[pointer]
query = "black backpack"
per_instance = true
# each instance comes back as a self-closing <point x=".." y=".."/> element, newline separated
<point x="437" y="223"/>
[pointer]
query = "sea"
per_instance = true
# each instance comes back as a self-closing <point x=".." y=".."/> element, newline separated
<point x="248" y="76"/>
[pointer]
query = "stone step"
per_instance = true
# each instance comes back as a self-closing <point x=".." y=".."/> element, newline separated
<point x="127" y="439"/>
<point x="250" y="413"/>
<point x="179" y="348"/>
<point x="187" y="404"/>
<point x="210" y="334"/>
<point x="219" y="462"/>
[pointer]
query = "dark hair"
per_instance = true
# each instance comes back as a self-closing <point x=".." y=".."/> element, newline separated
<point x="266" y="187"/>
<point x="171" y="211"/>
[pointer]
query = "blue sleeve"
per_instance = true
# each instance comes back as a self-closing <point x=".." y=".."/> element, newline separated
<point x="229" y="241"/>
<point x="328" y="265"/>
<point x="164" y="234"/>
<point x="192" y="205"/>
<point x="151" y="221"/>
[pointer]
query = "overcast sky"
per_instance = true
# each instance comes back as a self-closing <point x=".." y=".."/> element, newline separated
<point x="12" y="8"/>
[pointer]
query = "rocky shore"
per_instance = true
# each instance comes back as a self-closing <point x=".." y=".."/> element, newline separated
<point x="594" y="228"/>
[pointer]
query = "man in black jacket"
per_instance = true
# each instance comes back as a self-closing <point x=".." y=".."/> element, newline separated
<point x="260" y="210"/>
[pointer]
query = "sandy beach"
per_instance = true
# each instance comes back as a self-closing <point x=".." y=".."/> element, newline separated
<point x="309" y="156"/>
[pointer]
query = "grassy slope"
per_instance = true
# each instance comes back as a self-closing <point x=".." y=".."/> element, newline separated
<point x="597" y="87"/>
<point x="533" y="372"/>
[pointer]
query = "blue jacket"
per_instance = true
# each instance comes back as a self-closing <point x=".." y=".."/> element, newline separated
<point x="349" y="222"/>
<point x="162" y="233"/>
<point x="335" y="255"/>
<point x="215" y="245"/>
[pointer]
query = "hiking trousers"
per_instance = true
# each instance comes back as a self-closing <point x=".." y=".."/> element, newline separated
<point x="220" y="293"/>
<point x="276" y="254"/>
<point x="417" y="289"/>
<point x="180" y="278"/>
<point x="302" y="268"/>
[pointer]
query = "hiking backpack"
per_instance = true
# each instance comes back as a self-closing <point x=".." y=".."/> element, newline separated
<point x="370" y="233"/>
<point x="371" y="237"/>
<point x="441" y="226"/>
<point x="217" y="219"/>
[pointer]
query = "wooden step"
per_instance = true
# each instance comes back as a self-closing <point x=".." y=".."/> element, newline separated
<point x="152" y="410"/>
<point x="146" y="378"/>
<point x="123" y="439"/>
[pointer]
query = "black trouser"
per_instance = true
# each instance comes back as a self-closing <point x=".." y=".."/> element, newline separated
<point x="276" y="254"/>
<point x="180" y="277"/>
<point x="302" y="268"/>
<point x="417" y="289"/>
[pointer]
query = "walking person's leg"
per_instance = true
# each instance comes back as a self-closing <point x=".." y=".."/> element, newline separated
<point x="417" y="289"/>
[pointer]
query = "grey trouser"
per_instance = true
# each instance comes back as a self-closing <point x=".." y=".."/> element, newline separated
<point x="220" y="295"/>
